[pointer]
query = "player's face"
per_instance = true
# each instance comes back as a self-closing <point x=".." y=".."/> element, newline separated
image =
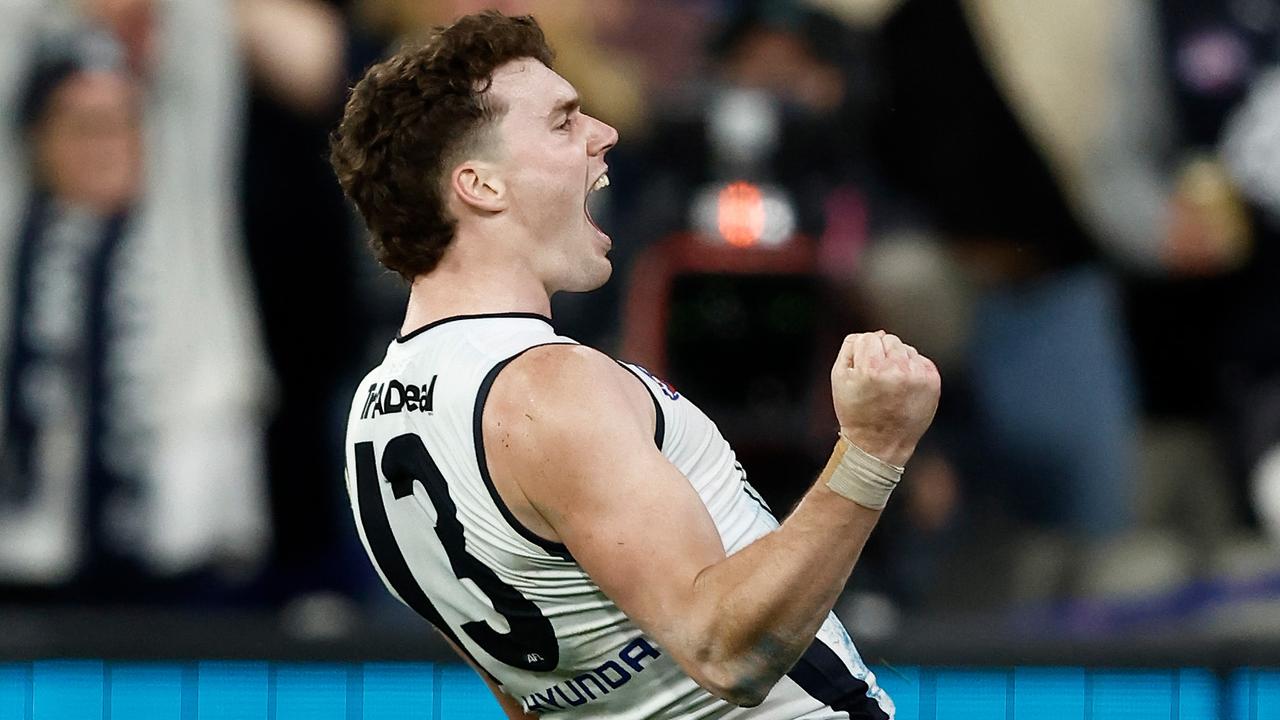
<point x="553" y="158"/>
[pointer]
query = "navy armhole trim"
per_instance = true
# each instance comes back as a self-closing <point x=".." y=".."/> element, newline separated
<point x="660" y="422"/>
<point x="479" y="316"/>
<point x="555" y="548"/>
<point x="824" y="676"/>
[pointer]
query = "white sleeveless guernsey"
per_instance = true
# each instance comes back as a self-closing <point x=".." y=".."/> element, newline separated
<point x="446" y="545"/>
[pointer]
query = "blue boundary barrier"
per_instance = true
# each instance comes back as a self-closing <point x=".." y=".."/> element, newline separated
<point x="261" y="690"/>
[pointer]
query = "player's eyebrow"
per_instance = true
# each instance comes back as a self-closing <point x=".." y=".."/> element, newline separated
<point x="566" y="106"/>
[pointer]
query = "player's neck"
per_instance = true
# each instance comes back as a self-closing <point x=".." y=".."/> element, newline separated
<point x="450" y="290"/>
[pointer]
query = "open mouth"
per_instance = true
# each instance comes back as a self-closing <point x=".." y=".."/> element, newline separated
<point x="600" y="183"/>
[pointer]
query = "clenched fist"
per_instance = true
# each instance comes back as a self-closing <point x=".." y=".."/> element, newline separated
<point x="885" y="394"/>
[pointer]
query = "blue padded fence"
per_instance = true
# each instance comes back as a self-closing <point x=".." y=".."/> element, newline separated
<point x="259" y="690"/>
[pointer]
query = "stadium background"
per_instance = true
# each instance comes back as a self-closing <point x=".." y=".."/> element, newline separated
<point x="1072" y="207"/>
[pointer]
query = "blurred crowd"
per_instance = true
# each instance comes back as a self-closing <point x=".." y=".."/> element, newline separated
<point x="1073" y="207"/>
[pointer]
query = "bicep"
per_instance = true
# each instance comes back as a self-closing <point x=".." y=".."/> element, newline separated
<point x="587" y="463"/>
<point x="637" y="527"/>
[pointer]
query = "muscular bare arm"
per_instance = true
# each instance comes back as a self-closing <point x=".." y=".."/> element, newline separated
<point x="574" y="431"/>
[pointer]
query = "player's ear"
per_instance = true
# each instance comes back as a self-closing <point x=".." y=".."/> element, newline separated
<point x="479" y="185"/>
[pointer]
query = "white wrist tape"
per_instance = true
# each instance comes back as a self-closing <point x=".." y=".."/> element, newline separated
<point x="864" y="478"/>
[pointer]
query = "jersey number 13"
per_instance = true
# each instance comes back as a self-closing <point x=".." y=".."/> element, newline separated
<point x="531" y="643"/>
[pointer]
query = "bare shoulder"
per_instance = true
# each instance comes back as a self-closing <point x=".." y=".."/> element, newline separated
<point x="563" y="392"/>
<point x="559" y="422"/>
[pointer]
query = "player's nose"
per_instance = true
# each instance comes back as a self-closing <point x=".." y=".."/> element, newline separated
<point x="603" y="136"/>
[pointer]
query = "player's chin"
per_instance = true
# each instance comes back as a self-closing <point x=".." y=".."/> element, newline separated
<point x="592" y="275"/>
<point x="602" y="270"/>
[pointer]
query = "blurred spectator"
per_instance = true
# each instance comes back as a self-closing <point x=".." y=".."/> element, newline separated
<point x="1186" y="174"/>
<point x="984" y="101"/>
<point x="307" y="267"/>
<point x="1223" y="59"/>
<point x="133" y="385"/>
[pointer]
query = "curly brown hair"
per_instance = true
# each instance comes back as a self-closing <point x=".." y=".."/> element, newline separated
<point x="411" y="119"/>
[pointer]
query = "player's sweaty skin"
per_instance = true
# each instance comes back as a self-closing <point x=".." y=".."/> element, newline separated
<point x="588" y="468"/>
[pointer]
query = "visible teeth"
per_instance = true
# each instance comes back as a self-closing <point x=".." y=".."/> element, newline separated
<point x="600" y="183"/>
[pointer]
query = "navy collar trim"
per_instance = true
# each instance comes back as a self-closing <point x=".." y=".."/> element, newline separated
<point x="480" y="316"/>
